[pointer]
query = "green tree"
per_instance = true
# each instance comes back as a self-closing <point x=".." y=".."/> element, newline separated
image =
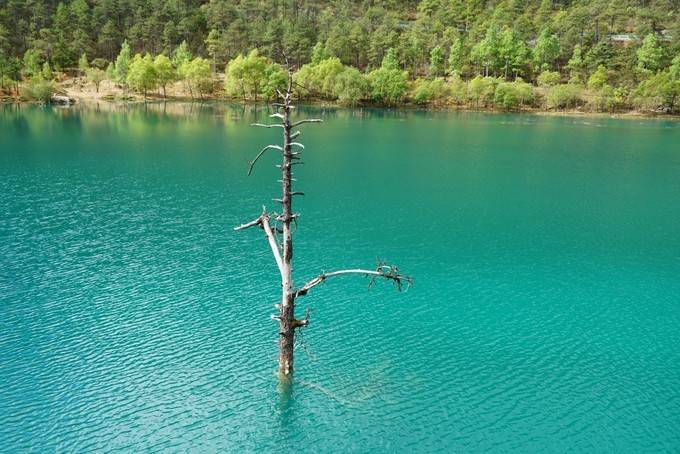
<point x="387" y="83"/>
<point x="456" y="56"/>
<point x="165" y="72"/>
<point x="123" y="63"/>
<point x="248" y="76"/>
<point x="46" y="72"/>
<point x="576" y="65"/>
<point x="96" y="76"/>
<point x="31" y="63"/>
<point x="83" y="65"/>
<point x="481" y="90"/>
<point x="350" y="86"/>
<point x="181" y="56"/>
<point x="141" y="74"/>
<point x="390" y="61"/>
<point x="198" y="76"/>
<point x="436" y="62"/>
<point x="486" y="53"/>
<point x="650" y="55"/>
<point x="513" y="53"/>
<point x="548" y="79"/>
<point x="598" y="79"/>
<point x="319" y="53"/>
<point x="546" y="50"/>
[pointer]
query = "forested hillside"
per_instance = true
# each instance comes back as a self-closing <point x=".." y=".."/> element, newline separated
<point x="627" y="48"/>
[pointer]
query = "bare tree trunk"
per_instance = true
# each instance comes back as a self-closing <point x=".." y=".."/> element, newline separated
<point x="283" y="255"/>
<point x="287" y="315"/>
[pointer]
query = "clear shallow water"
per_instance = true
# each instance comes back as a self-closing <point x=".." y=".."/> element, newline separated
<point x="545" y="315"/>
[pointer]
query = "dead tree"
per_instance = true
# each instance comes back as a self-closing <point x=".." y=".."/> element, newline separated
<point x="283" y="249"/>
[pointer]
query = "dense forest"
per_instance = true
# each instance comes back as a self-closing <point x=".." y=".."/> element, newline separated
<point x="609" y="54"/>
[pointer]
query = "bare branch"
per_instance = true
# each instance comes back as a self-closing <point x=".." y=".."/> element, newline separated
<point x="384" y="271"/>
<point x="276" y="115"/>
<point x="268" y="147"/>
<point x="308" y="120"/>
<point x="295" y="135"/>
<point x="263" y="222"/>
<point x="276" y="125"/>
<point x="272" y="242"/>
<point x="247" y="225"/>
<point x="297" y="144"/>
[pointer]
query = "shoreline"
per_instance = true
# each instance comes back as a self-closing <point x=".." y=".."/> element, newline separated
<point x="120" y="97"/>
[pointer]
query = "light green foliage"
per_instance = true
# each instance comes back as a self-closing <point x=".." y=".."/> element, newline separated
<point x="608" y="98"/>
<point x="319" y="79"/>
<point x="546" y="51"/>
<point x="39" y="89"/>
<point x="181" y="56"/>
<point x="31" y="63"/>
<point x="111" y="71"/>
<point x="141" y="75"/>
<point x="564" y="96"/>
<point x="253" y="76"/>
<point x="198" y="76"/>
<point x="351" y="86"/>
<point x="46" y="72"/>
<point x="506" y="96"/>
<point x="548" y="79"/>
<point x="650" y="55"/>
<point x="388" y="86"/>
<point x="598" y="79"/>
<point x="524" y="92"/>
<point x="165" y="72"/>
<point x="513" y="53"/>
<point x="83" y="64"/>
<point x="96" y="76"/>
<point x="436" y="62"/>
<point x="659" y="92"/>
<point x="486" y="53"/>
<point x="277" y="79"/>
<point x="456" y="56"/>
<point x="123" y="63"/>
<point x="319" y="53"/>
<point x="481" y="90"/>
<point x="675" y="68"/>
<point x="576" y="65"/>
<point x="458" y="89"/>
<point x="427" y="91"/>
<point x="390" y="60"/>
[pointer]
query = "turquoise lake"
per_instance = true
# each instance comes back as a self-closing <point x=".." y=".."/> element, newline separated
<point x="544" y="317"/>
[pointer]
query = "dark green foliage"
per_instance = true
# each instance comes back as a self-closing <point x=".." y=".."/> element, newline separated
<point x="633" y="42"/>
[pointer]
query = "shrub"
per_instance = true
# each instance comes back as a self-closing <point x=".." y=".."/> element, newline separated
<point x="506" y="96"/>
<point x="426" y="91"/>
<point x="548" y="79"/>
<point x="659" y="92"/>
<point x="388" y="86"/>
<point x="564" y="96"/>
<point x="458" y="89"/>
<point x="481" y="90"/>
<point x="350" y="86"/>
<point x="39" y="89"/>
<point x="598" y="79"/>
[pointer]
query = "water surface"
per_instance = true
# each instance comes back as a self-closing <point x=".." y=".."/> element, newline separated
<point x="545" y="315"/>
